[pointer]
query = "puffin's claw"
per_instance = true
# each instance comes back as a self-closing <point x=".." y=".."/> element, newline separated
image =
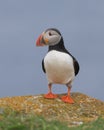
<point x="67" y="99"/>
<point x="50" y="95"/>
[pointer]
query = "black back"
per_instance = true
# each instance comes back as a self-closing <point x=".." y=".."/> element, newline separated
<point x="60" y="47"/>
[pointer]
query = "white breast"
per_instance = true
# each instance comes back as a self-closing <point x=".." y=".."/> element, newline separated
<point x="59" y="67"/>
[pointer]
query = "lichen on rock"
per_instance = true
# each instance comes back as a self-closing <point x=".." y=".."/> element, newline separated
<point x="85" y="108"/>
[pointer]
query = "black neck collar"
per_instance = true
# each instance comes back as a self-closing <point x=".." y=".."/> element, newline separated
<point x="58" y="47"/>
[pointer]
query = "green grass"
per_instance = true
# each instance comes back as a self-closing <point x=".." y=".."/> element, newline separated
<point x="96" y="125"/>
<point x="19" y="121"/>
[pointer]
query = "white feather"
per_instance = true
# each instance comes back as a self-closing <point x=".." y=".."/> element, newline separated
<point x="59" y="67"/>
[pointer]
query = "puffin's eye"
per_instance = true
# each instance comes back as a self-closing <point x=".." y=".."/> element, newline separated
<point x="50" y="34"/>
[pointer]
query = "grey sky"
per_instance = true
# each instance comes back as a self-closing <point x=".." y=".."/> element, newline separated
<point x="81" y="23"/>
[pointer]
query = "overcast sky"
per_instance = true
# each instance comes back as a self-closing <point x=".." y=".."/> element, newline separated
<point x="81" y="23"/>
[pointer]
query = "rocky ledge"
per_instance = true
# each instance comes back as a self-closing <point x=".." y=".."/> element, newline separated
<point x="85" y="108"/>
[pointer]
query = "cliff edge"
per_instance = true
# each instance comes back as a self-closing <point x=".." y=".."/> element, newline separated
<point x="85" y="108"/>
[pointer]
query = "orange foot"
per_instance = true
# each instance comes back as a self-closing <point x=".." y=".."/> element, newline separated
<point x="67" y="99"/>
<point x="50" y="95"/>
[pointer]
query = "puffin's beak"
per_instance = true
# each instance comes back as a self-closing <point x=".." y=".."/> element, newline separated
<point x="41" y="41"/>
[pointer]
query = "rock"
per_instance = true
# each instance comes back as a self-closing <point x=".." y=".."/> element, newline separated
<point x="85" y="108"/>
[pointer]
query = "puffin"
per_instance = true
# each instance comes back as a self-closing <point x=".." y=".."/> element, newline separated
<point x="59" y="64"/>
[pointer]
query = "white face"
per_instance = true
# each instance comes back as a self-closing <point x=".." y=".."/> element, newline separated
<point x="52" y="37"/>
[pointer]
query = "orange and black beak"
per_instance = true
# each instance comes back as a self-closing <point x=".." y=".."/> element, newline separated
<point x="41" y="41"/>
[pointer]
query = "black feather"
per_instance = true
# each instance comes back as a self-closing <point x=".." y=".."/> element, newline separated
<point x="43" y="66"/>
<point x="76" y="66"/>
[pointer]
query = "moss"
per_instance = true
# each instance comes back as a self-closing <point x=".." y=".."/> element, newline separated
<point x="85" y="108"/>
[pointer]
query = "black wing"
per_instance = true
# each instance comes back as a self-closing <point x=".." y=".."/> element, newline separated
<point x="75" y="62"/>
<point x="43" y="66"/>
<point x="76" y="66"/>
